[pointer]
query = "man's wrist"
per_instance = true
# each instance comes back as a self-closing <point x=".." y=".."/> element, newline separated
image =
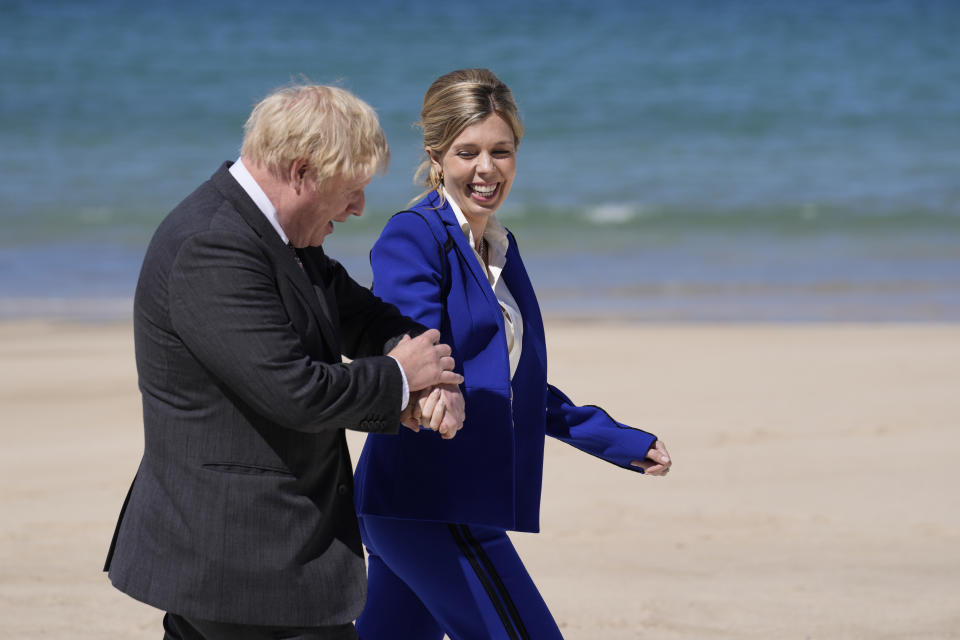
<point x="405" y="396"/>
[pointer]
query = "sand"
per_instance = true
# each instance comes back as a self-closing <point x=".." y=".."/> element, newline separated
<point x="814" y="493"/>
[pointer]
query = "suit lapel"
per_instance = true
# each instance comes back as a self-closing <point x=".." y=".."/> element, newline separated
<point x="315" y="264"/>
<point x="462" y="245"/>
<point x="317" y="297"/>
<point x="514" y="275"/>
<point x="516" y="278"/>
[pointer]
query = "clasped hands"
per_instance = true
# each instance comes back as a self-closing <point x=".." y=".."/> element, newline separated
<point x="439" y="408"/>
<point x="436" y="402"/>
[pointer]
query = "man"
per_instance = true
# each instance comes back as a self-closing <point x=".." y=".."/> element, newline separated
<point x="240" y="520"/>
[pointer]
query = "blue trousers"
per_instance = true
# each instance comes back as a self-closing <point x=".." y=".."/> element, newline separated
<point x="427" y="579"/>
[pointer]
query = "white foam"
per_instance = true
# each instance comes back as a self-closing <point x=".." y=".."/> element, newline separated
<point x="612" y="213"/>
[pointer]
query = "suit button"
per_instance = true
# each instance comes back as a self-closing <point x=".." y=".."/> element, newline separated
<point x="342" y="489"/>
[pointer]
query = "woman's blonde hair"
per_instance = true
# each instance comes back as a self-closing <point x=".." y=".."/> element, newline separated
<point x="454" y="102"/>
<point x="337" y="133"/>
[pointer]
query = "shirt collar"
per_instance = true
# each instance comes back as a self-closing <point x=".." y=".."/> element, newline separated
<point x="242" y="175"/>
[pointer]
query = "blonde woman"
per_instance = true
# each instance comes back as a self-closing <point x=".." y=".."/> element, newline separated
<point x="434" y="512"/>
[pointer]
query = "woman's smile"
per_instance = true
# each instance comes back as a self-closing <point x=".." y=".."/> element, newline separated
<point x="483" y="192"/>
<point x="479" y="167"/>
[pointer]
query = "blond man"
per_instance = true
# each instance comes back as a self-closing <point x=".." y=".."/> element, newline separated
<point x="240" y="520"/>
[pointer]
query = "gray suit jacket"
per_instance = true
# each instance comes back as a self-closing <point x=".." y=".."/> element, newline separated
<point x="242" y="508"/>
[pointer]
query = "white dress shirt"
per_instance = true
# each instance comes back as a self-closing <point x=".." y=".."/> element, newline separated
<point x="240" y="173"/>
<point x="247" y="182"/>
<point x="497" y="242"/>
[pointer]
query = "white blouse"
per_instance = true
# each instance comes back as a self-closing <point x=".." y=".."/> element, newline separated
<point x="496" y="236"/>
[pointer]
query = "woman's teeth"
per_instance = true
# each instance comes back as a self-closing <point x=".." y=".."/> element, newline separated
<point x="484" y="190"/>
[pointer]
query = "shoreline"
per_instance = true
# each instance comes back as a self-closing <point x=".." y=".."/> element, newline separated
<point x="630" y="274"/>
<point x="810" y="489"/>
<point x="92" y="312"/>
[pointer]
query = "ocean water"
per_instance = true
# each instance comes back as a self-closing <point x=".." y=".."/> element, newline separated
<point x="684" y="160"/>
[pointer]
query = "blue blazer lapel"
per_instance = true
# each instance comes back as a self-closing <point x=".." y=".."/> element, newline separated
<point x="517" y="280"/>
<point x="462" y="245"/>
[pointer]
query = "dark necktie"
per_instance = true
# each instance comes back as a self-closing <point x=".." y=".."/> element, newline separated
<point x="296" y="257"/>
<point x="328" y="303"/>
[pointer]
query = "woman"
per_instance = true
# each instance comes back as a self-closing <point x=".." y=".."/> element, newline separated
<point x="434" y="512"/>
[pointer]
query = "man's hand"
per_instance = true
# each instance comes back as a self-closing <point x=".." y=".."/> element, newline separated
<point x="410" y="417"/>
<point x="425" y="362"/>
<point x="657" y="462"/>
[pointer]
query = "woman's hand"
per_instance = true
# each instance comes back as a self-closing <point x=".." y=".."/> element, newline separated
<point x="440" y="408"/>
<point x="657" y="462"/>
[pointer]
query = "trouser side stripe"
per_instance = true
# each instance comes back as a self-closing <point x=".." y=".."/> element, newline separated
<point x="498" y="581"/>
<point x="467" y="551"/>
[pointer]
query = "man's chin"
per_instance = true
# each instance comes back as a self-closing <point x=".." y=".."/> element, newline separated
<point x="321" y="235"/>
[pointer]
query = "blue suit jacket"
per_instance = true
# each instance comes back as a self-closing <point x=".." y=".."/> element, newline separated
<point x="491" y="472"/>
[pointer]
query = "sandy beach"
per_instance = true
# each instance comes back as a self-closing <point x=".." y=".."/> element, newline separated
<point x="810" y="496"/>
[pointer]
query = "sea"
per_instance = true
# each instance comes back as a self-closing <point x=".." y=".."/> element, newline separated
<point x="684" y="160"/>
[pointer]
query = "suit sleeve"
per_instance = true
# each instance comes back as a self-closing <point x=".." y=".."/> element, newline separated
<point x="225" y="307"/>
<point x="368" y="325"/>
<point x="407" y="270"/>
<point x="591" y="429"/>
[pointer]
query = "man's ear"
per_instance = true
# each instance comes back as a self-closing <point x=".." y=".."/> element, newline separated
<point x="298" y="173"/>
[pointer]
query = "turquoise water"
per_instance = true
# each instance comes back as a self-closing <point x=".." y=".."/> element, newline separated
<point x="687" y="160"/>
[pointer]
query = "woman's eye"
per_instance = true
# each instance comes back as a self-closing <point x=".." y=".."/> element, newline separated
<point x="465" y="154"/>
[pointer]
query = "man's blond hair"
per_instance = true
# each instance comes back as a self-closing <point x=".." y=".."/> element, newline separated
<point x="335" y="132"/>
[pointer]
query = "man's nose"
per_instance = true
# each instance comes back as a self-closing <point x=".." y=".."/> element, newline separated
<point x="356" y="207"/>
